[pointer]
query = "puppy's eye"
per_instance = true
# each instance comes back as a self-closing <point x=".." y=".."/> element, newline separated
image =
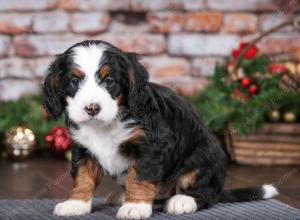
<point x="109" y="81"/>
<point x="75" y="81"/>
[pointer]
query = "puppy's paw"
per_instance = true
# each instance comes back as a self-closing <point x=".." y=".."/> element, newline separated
<point x="180" y="204"/>
<point x="135" y="211"/>
<point x="116" y="197"/>
<point x="72" y="207"/>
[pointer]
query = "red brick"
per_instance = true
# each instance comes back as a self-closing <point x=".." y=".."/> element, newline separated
<point x="26" y="5"/>
<point x="202" y="44"/>
<point x="204" y="66"/>
<point x="137" y="42"/>
<point x="268" y="21"/>
<point x="93" y="5"/>
<point x="279" y="6"/>
<point x="15" y="23"/>
<point x="43" y="45"/>
<point x="233" y="5"/>
<point x="90" y="23"/>
<point x="4" y="46"/>
<point x="155" y="5"/>
<point x="280" y="43"/>
<point x="28" y="68"/>
<point x="14" y="89"/>
<point x="185" y="85"/>
<point x="122" y="27"/>
<point x="203" y="21"/>
<point x="240" y="23"/>
<point x="165" y="22"/>
<point x="193" y="5"/>
<point x="163" y="66"/>
<point x="56" y="21"/>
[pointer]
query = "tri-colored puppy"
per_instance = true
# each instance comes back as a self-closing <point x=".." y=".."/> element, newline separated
<point x="150" y="139"/>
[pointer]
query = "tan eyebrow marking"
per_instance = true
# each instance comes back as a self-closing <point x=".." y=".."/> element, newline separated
<point x="77" y="72"/>
<point x="104" y="71"/>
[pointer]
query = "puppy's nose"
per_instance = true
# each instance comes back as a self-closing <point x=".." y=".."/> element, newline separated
<point x="92" y="109"/>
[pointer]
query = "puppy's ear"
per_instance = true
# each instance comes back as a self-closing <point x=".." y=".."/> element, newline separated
<point x="138" y="78"/>
<point x="52" y="89"/>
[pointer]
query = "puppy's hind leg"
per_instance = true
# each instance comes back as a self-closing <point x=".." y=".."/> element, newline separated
<point x="193" y="192"/>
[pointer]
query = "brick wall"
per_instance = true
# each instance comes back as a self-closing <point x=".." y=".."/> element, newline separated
<point x="180" y="40"/>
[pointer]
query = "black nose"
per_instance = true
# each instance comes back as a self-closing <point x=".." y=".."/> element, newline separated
<point x="92" y="109"/>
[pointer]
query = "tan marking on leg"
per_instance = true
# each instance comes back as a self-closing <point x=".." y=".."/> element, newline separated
<point x="87" y="179"/>
<point x="137" y="191"/>
<point x="187" y="179"/>
<point x="104" y="71"/>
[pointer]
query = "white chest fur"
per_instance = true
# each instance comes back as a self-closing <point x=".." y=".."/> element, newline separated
<point x="103" y="142"/>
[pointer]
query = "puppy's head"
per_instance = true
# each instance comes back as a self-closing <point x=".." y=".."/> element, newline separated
<point x="92" y="80"/>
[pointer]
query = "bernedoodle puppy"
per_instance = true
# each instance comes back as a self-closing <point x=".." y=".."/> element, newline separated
<point x="149" y="139"/>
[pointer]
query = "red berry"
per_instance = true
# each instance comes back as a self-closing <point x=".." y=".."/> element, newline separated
<point x="253" y="89"/>
<point x="245" y="82"/>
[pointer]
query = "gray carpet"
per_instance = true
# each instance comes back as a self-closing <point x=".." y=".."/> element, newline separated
<point x="42" y="209"/>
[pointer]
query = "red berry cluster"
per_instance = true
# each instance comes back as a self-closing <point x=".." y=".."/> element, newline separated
<point x="58" y="140"/>
<point x="247" y="83"/>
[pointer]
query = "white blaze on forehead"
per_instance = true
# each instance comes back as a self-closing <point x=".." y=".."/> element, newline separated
<point x="88" y="57"/>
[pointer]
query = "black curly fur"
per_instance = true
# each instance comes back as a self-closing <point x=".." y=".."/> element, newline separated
<point x="175" y="141"/>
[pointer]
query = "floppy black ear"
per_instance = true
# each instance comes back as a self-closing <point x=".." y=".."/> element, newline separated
<point x="53" y="97"/>
<point x="138" y="78"/>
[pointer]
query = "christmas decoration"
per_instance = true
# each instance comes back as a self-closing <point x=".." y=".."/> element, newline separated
<point x="244" y="103"/>
<point x="27" y="112"/>
<point x="253" y="89"/>
<point x="290" y="82"/>
<point x="20" y="142"/>
<point x="249" y="53"/>
<point x="277" y="68"/>
<point x="289" y="117"/>
<point x="245" y="82"/>
<point x="274" y="115"/>
<point x="58" y="140"/>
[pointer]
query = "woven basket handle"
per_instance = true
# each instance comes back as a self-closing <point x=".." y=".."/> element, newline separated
<point x="238" y="60"/>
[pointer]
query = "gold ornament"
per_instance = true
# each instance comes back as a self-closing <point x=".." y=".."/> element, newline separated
<point x="20" y="142"/>
<point x="289" y="117"/>
<point x="68" y="155"/>
<point x="274" y="115"/>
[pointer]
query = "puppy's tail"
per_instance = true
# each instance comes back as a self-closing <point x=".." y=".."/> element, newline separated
<point x="248" y="194"/>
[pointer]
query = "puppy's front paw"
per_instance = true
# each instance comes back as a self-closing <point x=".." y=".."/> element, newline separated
<point x="72" y="207"/>
<point x="135" y="211"/>
<point x="180" y="204"/>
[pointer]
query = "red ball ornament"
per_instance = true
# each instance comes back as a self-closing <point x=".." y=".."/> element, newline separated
<point x="245" y="82"/>
<point x="253" y="89"/>
<point x="58" y="140"/>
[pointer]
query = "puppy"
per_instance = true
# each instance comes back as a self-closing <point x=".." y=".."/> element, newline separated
<point x="149" y="139"/>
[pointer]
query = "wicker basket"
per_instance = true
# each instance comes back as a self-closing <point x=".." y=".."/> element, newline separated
<point x="273" y="144"/>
